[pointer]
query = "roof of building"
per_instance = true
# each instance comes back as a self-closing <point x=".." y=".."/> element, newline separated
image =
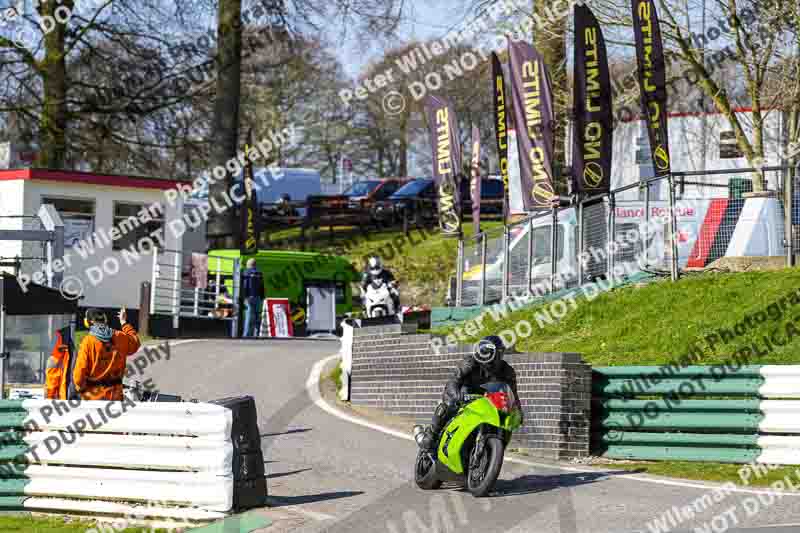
<point x="89" y="178"/>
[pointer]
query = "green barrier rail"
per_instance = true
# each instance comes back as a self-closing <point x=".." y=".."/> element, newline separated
<point x="678" y="439"/>
<point x="690" y="381"/>
<point x="678" y="404"/>
<point x="655" y="413"/>
<point x="665" y="453"/>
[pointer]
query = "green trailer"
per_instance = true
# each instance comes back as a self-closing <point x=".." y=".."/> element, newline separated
<point x="287" y="274"/>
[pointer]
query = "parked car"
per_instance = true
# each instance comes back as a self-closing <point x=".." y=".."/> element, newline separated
<point x="417" y="198"/>
<point x="491" y="197"/>
<point x="366" y="193"/>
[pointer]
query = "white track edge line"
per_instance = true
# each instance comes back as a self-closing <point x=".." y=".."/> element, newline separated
<point x="312" y="386"/>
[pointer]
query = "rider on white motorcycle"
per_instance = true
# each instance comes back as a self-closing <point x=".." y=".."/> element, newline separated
<point x="373" y="271"/>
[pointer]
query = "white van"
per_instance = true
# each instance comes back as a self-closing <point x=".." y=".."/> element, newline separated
<point x="629" y="225"/>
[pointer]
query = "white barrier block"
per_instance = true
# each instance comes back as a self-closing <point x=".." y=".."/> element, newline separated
<point x="207" y="491"/>
<point x="135" y="452"/>
<point x="180" y="515"/>
<point x="148" y="418"/>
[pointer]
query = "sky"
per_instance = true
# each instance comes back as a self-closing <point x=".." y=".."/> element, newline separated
<point x="425" y="19"/>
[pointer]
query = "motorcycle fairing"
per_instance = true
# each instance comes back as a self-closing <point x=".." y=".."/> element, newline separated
<point x="480" y="411"/>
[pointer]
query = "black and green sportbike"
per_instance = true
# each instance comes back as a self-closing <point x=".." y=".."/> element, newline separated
<point x="471" y="447"/>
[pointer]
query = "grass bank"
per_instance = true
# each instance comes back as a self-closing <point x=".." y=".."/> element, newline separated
<point x="663" y="321"/>
<point x="56" y="525"/>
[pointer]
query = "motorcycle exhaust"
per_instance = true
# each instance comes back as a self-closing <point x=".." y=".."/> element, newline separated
<point x="419" y="433"/>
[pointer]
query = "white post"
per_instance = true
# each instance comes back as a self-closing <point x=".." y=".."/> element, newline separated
<point x="154" y="279"/>
<point x="176" y="289"/>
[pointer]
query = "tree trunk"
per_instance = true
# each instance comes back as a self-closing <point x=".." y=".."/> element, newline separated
<point x="550" y="40"/>
<point x="222" y="227"/>
<point x="53" y="67"/>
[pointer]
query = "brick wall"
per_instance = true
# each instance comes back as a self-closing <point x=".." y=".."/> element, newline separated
<point x="395" y="369"/>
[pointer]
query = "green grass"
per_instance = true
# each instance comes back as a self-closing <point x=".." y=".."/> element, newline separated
<point x="55" y="525"/>
<point x="659" y="322"/>
<point x="422" y="264"/>
<point x="715" y="472"/>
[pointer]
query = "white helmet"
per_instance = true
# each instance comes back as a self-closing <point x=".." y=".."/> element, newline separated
<point x="374" y="265"/>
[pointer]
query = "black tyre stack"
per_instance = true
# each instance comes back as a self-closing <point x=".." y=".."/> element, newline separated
<point x="250" y="483"/>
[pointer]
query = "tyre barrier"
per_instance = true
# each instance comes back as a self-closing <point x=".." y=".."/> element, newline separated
<point x="181" y="462"/>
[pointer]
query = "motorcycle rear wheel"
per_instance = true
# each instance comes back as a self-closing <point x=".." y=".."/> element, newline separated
<point x="425" y="472"/>
<point x="482" y="476"/>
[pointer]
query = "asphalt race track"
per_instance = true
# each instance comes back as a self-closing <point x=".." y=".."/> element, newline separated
<point x="328" y="474"/>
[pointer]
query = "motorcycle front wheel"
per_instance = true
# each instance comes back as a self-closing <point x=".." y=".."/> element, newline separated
<point x="484" y="468"/>
<point x="425" y="472"/>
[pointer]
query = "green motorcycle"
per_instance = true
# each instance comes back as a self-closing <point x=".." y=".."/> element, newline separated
<point x="470" y="449"/>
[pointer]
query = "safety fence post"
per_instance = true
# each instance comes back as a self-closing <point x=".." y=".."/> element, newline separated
<point x="673" y="230"/>
<point x="176" y="290"/>
<point x="554" y="252"/>
<point x="145" y="298"/>
<point x="788" y="209"/>
<point x="646" y="243"/>
<point x="612" y="230"/>
<point x="460" y="272"/>
<point x="236" y="307"/>
<point x="530" y="256"/>
<point x="504" y="286"/>
<point x="580" y="241"/>
<point x="3" y="353"/>
<point x="153" y="281"/>
<point x="482" y="296"/>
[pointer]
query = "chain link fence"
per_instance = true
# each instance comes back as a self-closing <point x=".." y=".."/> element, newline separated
<point x="662" y="226"/>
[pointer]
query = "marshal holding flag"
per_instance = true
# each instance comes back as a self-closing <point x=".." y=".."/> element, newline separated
<point x="446" y="161"/>
<point x="652" y="81"/>
<point x="532" y="102"/>
<point x="249" y="208"/>
<point x="593" y="126"/>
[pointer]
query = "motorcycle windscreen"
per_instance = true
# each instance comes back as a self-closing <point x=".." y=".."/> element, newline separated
<point x="497" y="386"/>
<point x="481" y="411"/>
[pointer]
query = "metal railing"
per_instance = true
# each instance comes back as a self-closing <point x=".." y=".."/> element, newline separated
<point x="175" y="294"/>
<point x="662" y="225"/>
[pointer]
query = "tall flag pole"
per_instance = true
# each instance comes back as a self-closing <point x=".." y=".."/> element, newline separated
<point x="447" y="161"/>
<point x="475" y="185"/>
<point x="652" y="81"/>
<point x="249" y="208"/>
<point x="593" y="126"/>
<point x="532" y="100"/>
<point x="501" y="126"/>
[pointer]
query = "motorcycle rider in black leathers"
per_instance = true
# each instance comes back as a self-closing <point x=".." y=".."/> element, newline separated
<point x="485" y="365"/>
<point x="374" y="271"/>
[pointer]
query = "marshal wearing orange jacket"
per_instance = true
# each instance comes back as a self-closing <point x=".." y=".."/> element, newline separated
<point x="101" y="359"/>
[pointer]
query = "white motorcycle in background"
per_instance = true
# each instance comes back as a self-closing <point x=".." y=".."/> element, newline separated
<point x="378" y="299"/>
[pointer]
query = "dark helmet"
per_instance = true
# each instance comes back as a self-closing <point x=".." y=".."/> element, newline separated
<point x="489" y="351"/>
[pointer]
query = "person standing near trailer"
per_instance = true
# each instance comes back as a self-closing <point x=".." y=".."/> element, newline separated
<point x="253" y="293"/>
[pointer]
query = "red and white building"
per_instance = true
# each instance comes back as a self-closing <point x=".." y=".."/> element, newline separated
<point x="90" y="204"/>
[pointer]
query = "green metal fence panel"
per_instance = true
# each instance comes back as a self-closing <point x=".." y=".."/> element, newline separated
<point x="13" y="487"/>
<point x="678" y="439"/>
<point x="12" y="503"/>
<point x="13" y="419"/>
<point x="676" y="371"/>
<point x="699" y="413"/>
<point x="682" y="387"/>
<point x="719" y="422"/>
<point x="677" y="453"/>
<point x="680" y="404"/>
